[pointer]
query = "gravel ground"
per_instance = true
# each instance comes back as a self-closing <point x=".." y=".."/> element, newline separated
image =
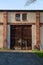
<point x="19" y="58"/>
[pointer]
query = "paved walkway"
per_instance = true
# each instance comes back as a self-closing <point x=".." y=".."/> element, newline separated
<point x="19" y="58"/>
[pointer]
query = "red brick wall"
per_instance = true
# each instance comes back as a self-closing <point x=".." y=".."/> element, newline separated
<point x="4" y="29"/>
<point x="38" y="29"/>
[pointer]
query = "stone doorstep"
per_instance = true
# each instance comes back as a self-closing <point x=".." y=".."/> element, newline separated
<point x="15" y="50"/>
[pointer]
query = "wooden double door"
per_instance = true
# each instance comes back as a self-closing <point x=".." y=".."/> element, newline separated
<point x="20" y="37"/>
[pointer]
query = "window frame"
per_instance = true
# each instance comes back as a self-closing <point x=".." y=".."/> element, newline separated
<point x="17" y="19"/>
<point x="25" y="18"/>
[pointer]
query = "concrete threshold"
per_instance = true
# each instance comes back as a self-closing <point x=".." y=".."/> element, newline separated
<point x="15" y="50"/>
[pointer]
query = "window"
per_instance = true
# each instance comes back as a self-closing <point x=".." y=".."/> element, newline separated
<point x="17" y="17"/>
<point x="24" y="17"/>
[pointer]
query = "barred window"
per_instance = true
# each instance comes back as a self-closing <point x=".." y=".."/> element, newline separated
<point x="24" y="17"/>
<point x="17" y="17"/>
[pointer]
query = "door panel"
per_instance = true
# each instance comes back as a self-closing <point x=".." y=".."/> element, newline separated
<point x="17" y="36"/>
<point x="12" y="36"/>
<point x="21" y="37"/>
<point x="27" y="36"/>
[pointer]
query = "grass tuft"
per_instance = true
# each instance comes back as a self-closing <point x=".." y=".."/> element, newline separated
<point x="38" y="53"/>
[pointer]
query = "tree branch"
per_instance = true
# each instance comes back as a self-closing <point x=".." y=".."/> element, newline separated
<point x="29" y="2"/>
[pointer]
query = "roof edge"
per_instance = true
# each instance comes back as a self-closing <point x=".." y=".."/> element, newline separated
<point x="22" y="10"/>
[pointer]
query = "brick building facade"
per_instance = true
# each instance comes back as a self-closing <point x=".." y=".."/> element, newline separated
<point x="21" y="29"/>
